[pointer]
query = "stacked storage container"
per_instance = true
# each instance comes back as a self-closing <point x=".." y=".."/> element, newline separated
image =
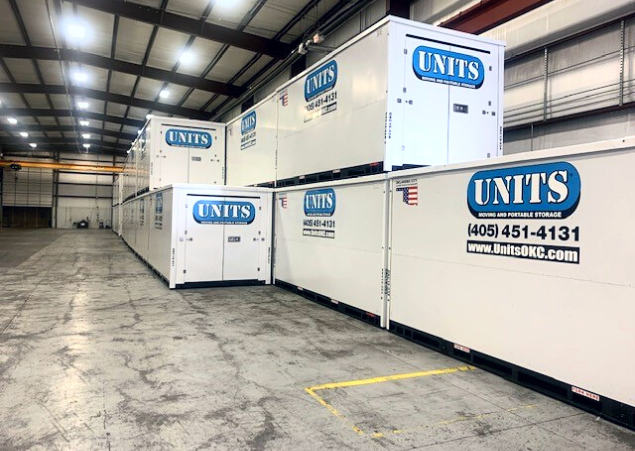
<point x="401" y="94"/>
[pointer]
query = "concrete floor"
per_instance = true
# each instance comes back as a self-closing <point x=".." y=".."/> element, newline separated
<point x="96" y="353"/>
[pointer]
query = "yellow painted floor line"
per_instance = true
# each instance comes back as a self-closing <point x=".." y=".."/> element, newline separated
<point x="394" y="377"/>
<point x="374" y="380"/>
<point x="333" y="410"/>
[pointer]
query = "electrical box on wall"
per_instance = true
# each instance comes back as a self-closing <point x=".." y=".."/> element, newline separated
<point x="400" y="94"/>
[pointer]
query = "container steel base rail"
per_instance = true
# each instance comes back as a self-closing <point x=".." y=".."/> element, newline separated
<point x="607" y="408"/>
<point x="339" y="174"/>
<point x="341" y="307"/>
<point x="329" y="176"/>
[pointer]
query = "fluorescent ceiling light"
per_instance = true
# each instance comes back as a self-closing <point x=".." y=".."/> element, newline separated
<point x="84" y="123"/>
<point x="12" y="120"/>
<point x="86" y="146"/>
<point x="75" y="31"/>
<point x="24" y="134"/>
<point x="86" y="135"/>
<point x="139" y="132"/>
<point x="33" y="145"/>
<point x="149" y="116"/>
<point x="164" y="94"/>
<point x="82" y="105"/>
<point x="186" y="57"/>
<point x="80" y="76"/>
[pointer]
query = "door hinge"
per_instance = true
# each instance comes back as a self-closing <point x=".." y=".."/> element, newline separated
<point x="184" y="271"/>
<point x="185" y="233"/>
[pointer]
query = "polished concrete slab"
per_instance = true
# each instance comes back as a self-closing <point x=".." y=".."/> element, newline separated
<point x="96" y="353"/>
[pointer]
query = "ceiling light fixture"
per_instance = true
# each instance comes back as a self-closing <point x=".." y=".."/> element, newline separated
<point x="149" y="116"/>
<point x="80" y="77"/>
<point x="75" y="31"/>
<point x="24" y="134"/>
<point x="164" y="94"/>
<point x="86" y="135"/>
<point x="82" y="105"/>
<point x="33" y="145"/>
<point x="186" y="57"/>
<point x="86" y="146"/>
<point x="12" y="120"/>
<point x="84" y="123"/>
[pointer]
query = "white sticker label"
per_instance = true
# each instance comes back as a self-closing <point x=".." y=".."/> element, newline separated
<point x="462" y="348"/>
<point x="585" y="393"/>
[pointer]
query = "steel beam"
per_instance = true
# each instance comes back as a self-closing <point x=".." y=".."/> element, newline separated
<point x="90" y="59"/>
<point x="44" y="112"/>
<point x="10" y="140"/>
<point x="191" y="26"/>
<point x="27" y="88"/>
<point x="65" y="166"/>
<point x="67" y="128"/>
<point x="488" y="14"/>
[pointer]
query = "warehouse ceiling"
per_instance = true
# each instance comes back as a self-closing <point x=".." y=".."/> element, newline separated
<point x="82" y="75"/>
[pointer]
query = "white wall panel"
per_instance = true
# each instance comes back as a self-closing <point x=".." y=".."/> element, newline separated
<point x="72" y="210"/>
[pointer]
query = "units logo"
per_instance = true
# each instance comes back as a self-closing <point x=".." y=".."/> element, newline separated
<point x="450" y="68"/>
<point x="543" y="191"/>
<point x="188" y="138"/>
<point x="248" y="123"/>
<point x="320" y="80"/>
<point x="224" y="212"/>
<point x="319" y="202"/>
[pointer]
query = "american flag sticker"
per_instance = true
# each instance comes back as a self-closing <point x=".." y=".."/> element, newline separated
<point x="410" y="194"/>
<point x="284" y="98"/>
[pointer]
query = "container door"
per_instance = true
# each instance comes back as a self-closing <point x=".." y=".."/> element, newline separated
<point x="425" y="102"/>
<point x="172" y="158"/>
<point x="474" y="107"/>
<point x="203" y="240"/>
<point x="205" y="165"/>
<point x="242" y="243"/>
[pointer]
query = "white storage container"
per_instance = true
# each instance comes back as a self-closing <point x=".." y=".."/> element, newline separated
<point x="117" y="195"/>
<point x="251" y="145"/>
<point x="528" y="259"/>
<point x="330" y="241"/>
<point x="116" y="224"/>
<point x="402" y="93"/>
<point x="171" y="150"/>
<point x="196" y="235"/>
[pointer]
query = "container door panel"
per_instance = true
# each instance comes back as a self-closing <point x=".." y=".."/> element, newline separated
<point x="474" y="109"/>
<point x="205" y="166"/>
<point x="242" y="246"/>
<point x="425" y="130"/>
<point x="173" y="161"/>
<point x="203" y="245"/>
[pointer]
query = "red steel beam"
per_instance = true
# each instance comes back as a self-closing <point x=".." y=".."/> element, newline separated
<point x="490" y="13"/>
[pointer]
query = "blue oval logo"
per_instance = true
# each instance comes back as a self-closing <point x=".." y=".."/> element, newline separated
<point x="542" y="191"/>
<point x="320" y="80"/>
<point x="223" y="212"/>
<point x="248" y="123"/>
<point x="188" y="138"/>
<point x="319" y="202"/>
<point x="450" y="68"/>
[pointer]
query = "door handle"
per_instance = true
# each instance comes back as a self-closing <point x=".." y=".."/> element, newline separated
<point x="190" y="239"/>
